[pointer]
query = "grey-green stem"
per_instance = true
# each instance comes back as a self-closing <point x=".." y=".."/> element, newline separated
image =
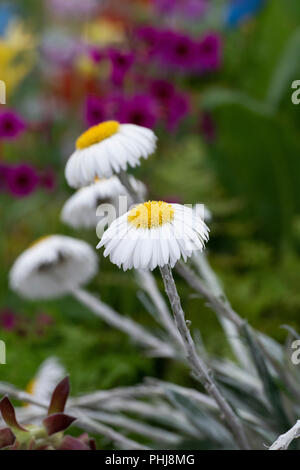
<point x="198" y="367"/>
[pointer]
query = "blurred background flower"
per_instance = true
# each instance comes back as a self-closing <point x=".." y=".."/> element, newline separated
<point x="212" y="78"/>
<point x="11" y="124"/>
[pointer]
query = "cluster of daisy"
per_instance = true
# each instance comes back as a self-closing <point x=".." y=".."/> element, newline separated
<point x="150" y="234"/>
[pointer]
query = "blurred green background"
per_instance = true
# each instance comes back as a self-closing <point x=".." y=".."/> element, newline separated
<point x="248" y="176"/>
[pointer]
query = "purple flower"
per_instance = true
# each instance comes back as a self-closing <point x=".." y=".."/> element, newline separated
<point x="208" y="128"/>
<point x="165" y="6"/>
<point x="194" y="8"/>
<point x="177" y="49"/>
<point x="121" y="64"/>
<point x="22" y="180"/>
<point x="162" y="90"/>
<point x="209" y="52"/>
<point x="150" y="37"/>
<point x="8" y="320"/>
<point x="139" y="109"/>
<point x="95" y="110"/>
<point x="47" y="179"/>
<point x="177" y="110"/>
<point x="189" y="8"/>
<point x="11" y="124"/>
<point x="96" y="54"/>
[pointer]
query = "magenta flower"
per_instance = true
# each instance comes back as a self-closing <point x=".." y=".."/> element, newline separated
<point x="177" y="49"/>
<point x="139" y="109"/>
<point x="96" y="54"/>
<point x="8" y="320"/>
<point x="162" y="90"/>
<point x="11" y="125"/>
<point x="165" y="6"/>
<point x="22" y="180"/>
<point x="150" y="37"/>
<point x="47" y="179"/>
<point x="95" y="110"/>
<point x="178" y="108"/>
<point x="194" y="8"/>
<point x="121" y="64"/>
<point x="209" y="52"/>
<point x="188" y="8"/>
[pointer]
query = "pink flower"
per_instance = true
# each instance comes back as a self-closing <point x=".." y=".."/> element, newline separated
<point x="22" y="180"/>
<point x="177" y="110"/>
<point x="139" y="109"/>
<point x="177" y="49"/>
<point x="162" y="90"/>
<point x="96" y="110"/>
<point x="209" y="52"/>
<point x="11" y="125"/>
<point x="96" y="54"/>
<point x="150" y="37"/>
<point x="8" y="320"/>
<point x="121" y="64"/>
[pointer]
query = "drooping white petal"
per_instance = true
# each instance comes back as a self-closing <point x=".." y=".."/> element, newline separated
<point x="52" y="267"/>
<point x="124" y="148"/>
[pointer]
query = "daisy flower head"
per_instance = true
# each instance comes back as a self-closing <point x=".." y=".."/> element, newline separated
<point x="154" y="233"/>
<point x="106" y="149"/>
<point x="52" y="267"/>
<point x="80" y="210"/>
<point x="203" y="212"/>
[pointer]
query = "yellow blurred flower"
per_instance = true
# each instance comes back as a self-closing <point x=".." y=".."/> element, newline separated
<point x="17" y="54"/>
<point x="86" y="67"/>
<point x="104" y="32"/>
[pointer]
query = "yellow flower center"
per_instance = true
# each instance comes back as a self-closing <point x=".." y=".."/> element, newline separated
<point x="151" y="214"/>
<point x="39" y="240"/>
<point x="30" y="388"/>
<point x="97" y="133"/>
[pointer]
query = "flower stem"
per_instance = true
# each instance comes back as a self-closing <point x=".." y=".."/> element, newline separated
<point x="147" y="282"/>
<point x="198" y="367"/>
<point x="125" y="181"/>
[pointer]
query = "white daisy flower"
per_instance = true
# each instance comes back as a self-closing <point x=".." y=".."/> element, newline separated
<point x="53" y="266"/>
<point x="202" y="211"/>
<point x="106" y="149"/>
<point x="80" y="209"/>
<point x="49" y="374"/>
<point x="154" y="234"/>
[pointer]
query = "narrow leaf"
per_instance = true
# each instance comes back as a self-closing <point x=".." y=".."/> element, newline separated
<point x="9" y="415"/>
<point x="59" y="397"/>
<point x="270" y="387"/>
<point x="57" y="422"/>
